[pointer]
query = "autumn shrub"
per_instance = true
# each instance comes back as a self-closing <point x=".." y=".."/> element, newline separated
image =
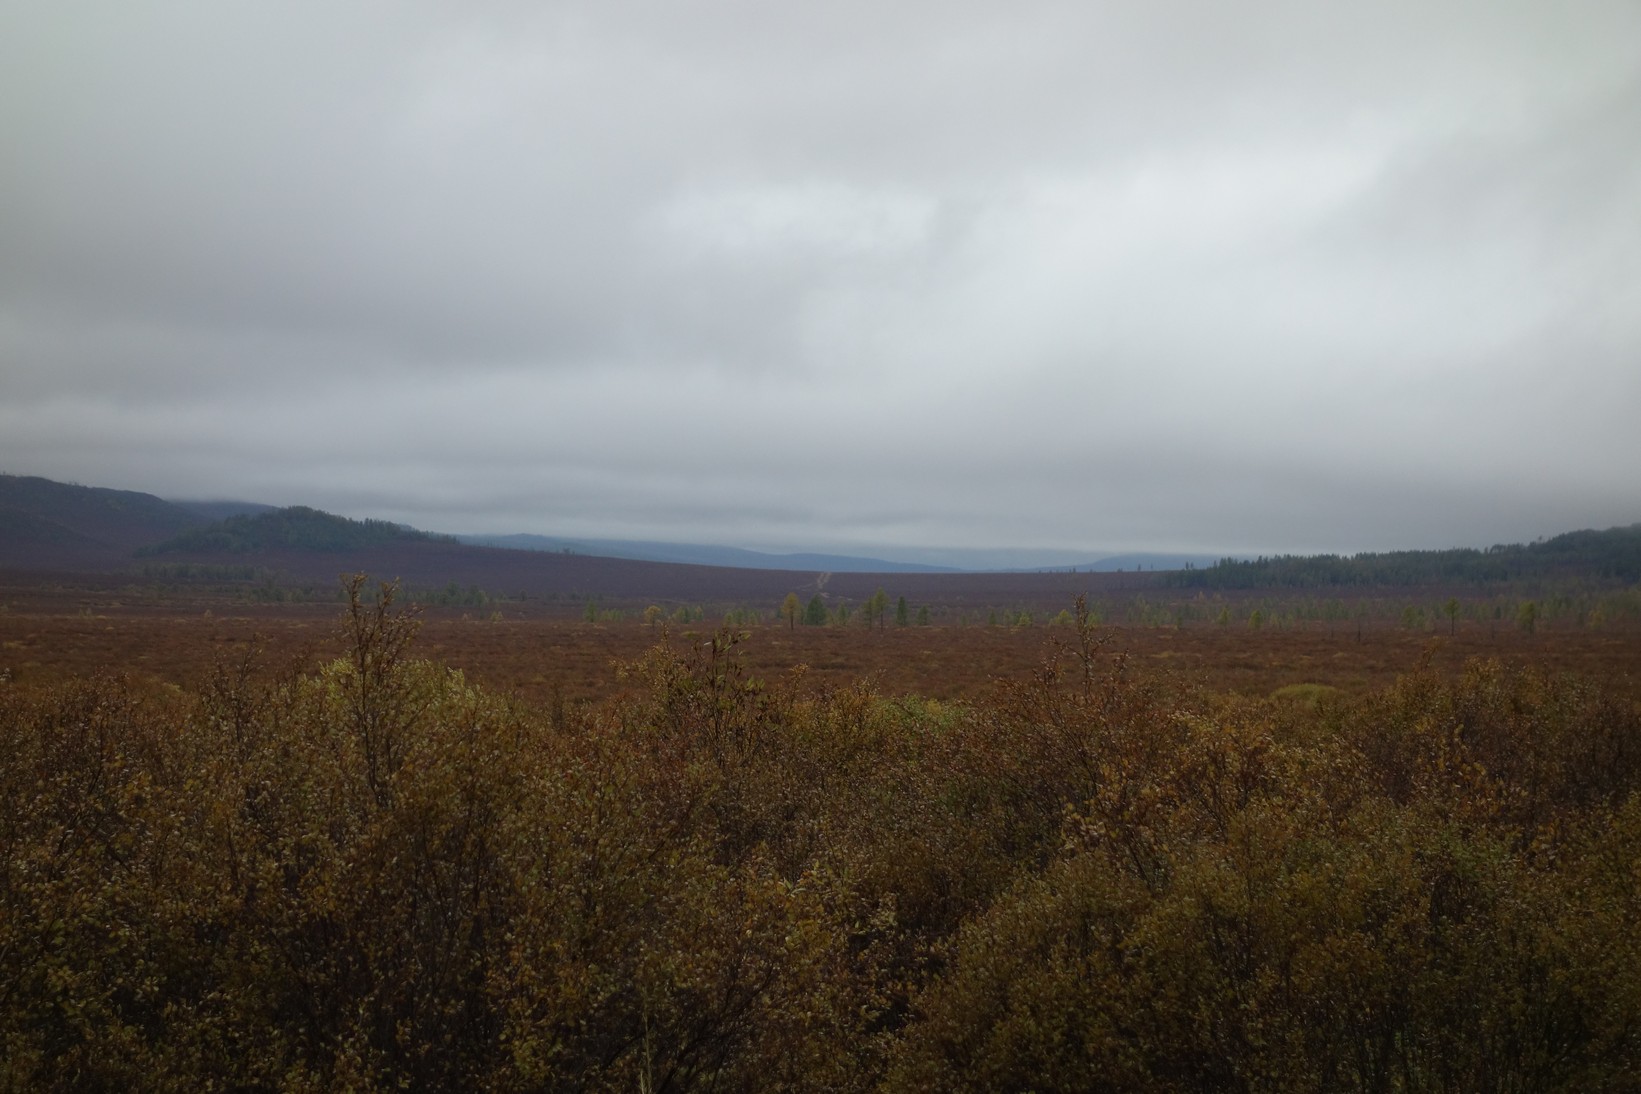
<point x="1411" y="894"/>
<point x="369" y="873"/>
<point x="88" y="908"/>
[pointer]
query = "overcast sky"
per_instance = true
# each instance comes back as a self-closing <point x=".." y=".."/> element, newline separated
<point x="1107" y="276"/>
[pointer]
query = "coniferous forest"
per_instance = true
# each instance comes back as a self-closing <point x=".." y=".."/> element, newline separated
<point x="370" y="873"/>
<point x="1612" y="554"/>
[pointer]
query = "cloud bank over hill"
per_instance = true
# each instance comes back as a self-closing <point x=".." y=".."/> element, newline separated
<point x="1163" y="276"/>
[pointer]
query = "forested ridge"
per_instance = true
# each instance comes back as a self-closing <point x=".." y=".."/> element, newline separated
<point x="1613" y="554"/>
<point x="368" y="873"/>
<point x="295" y="527"/>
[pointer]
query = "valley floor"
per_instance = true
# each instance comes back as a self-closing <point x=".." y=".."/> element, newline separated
<point x="46" y="638"/>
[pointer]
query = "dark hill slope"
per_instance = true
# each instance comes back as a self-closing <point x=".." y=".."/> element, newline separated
<point x="46" y="525"/>
<point x="702" y="554"/>
<point x="571" y="580"/>
<point x="1611" y="555"/>
<point x="222" y="510"/>
<point x="297" y="528"/>
<point x="313" y="546"/>
<point x="434" y="563"/>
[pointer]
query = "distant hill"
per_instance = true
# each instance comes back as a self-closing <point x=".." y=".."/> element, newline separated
<point x="295" y="528"/>
<point x="1015" y="560"/>
<point x="307" y="546"/>
<point x="955" y="561"/>
<point x="1134" y="562"/>
<point x="1613" y="554"/>
<point x="222" y="510"/>
<point x="703" y="555"/>
<point x="55" y="527"/>
<point x="60" y="526"/>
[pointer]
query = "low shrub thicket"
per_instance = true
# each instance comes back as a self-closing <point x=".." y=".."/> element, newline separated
<point x="376" y="875"/>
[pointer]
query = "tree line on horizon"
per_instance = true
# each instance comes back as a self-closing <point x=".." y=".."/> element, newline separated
<point x="1611" y="555"/>
<point x="873" y="611"/>
<point x="295" y="527"/>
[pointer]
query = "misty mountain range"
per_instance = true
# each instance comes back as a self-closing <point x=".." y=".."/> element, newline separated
<point x="42" y="521"/>
<point x="51" y="527"/>
<point x="952" y="561"/>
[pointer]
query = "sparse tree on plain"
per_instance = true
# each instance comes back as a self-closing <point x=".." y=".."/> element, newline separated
<point x="877" y="607"/>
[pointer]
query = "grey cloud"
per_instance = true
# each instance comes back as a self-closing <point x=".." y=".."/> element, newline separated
<point x="1167" y="275"/>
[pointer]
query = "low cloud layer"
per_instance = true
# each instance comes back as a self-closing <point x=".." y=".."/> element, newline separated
<point x="1108" y="277"/>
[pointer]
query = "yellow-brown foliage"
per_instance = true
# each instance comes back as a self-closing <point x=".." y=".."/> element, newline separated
<point x="373" y="874"/>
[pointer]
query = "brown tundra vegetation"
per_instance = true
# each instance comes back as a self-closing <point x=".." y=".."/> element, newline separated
<point x="371" y="872"/>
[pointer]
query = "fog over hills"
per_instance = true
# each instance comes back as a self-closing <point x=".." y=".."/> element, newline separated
<point x="903" y="560"/>
<point x="53" y="526"/>
<point x="64" y="526"/>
